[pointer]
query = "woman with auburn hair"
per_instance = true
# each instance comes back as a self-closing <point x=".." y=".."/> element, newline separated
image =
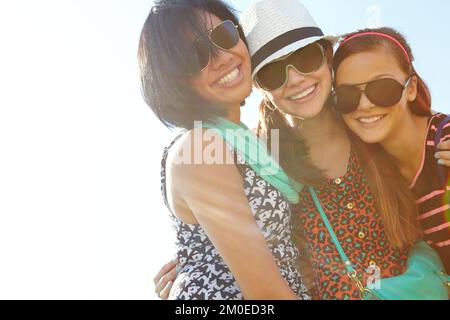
<point x="386" y="104"/>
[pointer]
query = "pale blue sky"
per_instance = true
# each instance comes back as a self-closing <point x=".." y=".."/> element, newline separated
<point x="81" y="214"/>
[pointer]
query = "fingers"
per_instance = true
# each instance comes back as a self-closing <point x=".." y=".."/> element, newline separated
<point x="164" y="281"/>
<point x="165" y="269"/>
<point x="164" y="295"/>
<point x="445" y="145"/>
<point x="444" y="162"/>
<point x="444" y="158"/>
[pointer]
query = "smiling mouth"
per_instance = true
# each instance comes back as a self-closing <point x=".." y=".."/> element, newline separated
<point x="304" y="94"/>
<point x="230" y="77"/>
<point x="370" y="120"/>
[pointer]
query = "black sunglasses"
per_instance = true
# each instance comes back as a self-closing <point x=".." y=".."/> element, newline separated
<point x="225" y="36"/>
<point x="382" y="92"/>
<point x="305" y="60"/>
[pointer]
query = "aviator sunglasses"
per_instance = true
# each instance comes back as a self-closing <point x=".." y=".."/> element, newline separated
<point x="224" y="36"/>
<point x="382" y="92"/>
<point x="305" y="61"/>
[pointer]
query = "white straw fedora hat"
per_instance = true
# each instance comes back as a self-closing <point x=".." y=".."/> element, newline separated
<point x="275" y="28"/>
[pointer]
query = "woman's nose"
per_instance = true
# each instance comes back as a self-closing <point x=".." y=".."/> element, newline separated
<point x="294" y="77"/>
<point x="364" y="102"/>
<point x="221" y="59"/>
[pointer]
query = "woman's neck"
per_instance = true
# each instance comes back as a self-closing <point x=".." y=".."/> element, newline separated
<point x="321" y="129"/>
<point x="234" y="114"/>
<point x="406" y="145"/>
<point x="326" y="139"/>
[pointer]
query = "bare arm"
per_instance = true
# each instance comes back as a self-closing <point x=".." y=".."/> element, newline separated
<point x="215" y="196"/>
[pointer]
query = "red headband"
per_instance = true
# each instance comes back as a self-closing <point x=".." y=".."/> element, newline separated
<point x="380" y="35"/>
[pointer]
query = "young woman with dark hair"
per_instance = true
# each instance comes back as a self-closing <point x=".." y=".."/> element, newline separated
<point x="231" y="218"/>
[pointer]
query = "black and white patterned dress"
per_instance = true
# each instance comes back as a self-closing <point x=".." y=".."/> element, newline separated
<point x="203" y="273"/>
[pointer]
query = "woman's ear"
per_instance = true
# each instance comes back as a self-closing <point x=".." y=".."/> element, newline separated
<point x="412" y="89"/>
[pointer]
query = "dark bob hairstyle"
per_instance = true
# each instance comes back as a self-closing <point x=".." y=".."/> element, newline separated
<point x="167" y="59"/>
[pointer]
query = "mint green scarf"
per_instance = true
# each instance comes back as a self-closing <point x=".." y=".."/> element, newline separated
<point x="255" y="154"/>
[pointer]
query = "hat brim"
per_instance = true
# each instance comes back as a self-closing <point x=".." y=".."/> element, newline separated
<point x="291" y="48"/>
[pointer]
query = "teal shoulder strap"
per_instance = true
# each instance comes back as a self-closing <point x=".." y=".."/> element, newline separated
<point x="348" y="264"/>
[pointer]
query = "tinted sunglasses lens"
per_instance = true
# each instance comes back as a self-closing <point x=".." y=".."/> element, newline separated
<point x="308" y="59"/>
<point x="346" y="99"/>
<point x="203" y="53"/>
<point x="225" y="35"/>
<point x="305" y="60"/>
<point x="384" y="92"/>
<point x="272" y="76"/>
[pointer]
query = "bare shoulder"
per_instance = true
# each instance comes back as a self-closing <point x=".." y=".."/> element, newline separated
<point x="201" y="158"/>
<point x="199" y="149"/>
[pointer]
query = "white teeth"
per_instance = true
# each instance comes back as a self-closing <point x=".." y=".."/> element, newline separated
<point x="229" y="77"/>
<point x="371" y="119"/>
<point x="303" y="94"/>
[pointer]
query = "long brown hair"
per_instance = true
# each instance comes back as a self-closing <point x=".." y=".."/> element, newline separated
<point x="395" y="200"/>
<point x="293" y="151"/>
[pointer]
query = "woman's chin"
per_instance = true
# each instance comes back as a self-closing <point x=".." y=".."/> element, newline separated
<point x="305" y="111"/>
<point x="370" y="138"/>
